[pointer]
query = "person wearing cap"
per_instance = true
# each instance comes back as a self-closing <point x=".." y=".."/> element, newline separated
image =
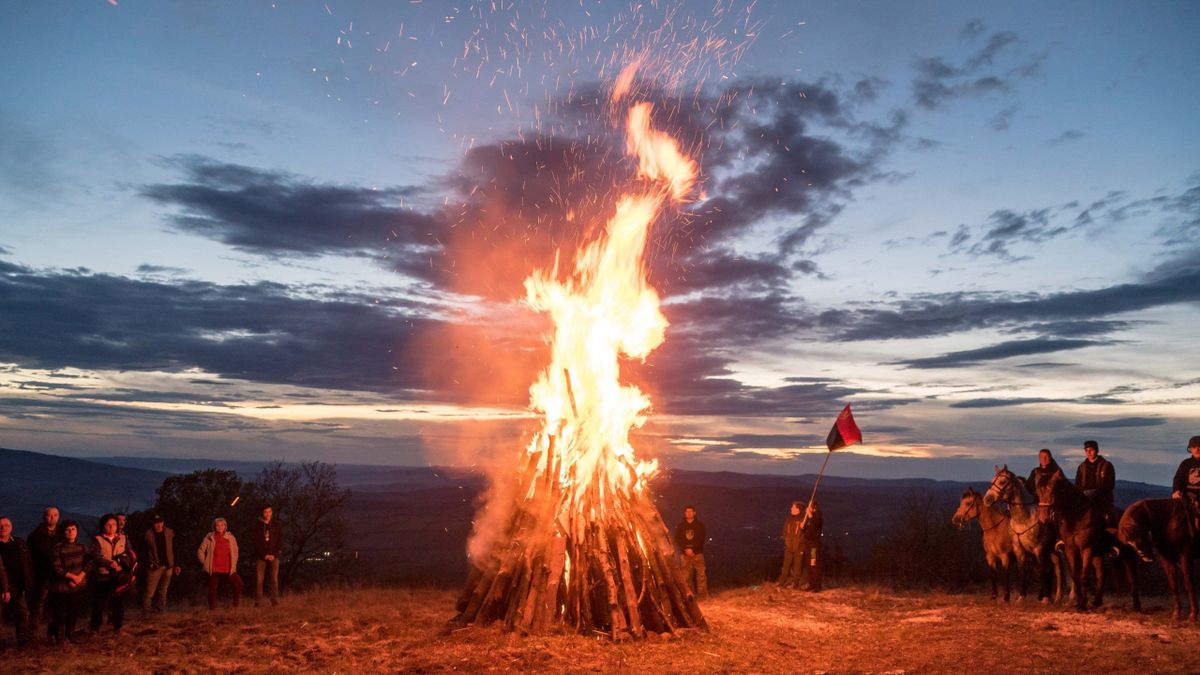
<point x="1186" y="485"/>
<point x="160" y="558"/>
<point x="1097" y="478"/>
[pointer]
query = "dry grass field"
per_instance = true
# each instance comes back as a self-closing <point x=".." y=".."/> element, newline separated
<point x="755" y="629"/>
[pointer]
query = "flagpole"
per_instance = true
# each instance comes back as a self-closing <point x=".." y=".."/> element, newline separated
<point x="818" y="482"/>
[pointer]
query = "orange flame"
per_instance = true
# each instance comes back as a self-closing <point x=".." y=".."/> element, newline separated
<point x="605" y="310"/>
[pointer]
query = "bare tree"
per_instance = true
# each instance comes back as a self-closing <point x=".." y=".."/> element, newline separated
<point x="308" y="502"/>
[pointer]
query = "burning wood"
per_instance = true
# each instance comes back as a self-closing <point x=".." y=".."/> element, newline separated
<point x="583" y="545"/>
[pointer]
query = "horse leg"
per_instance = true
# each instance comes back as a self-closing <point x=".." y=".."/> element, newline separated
<point x="1006" y="564"/>
<point x="1185" y="562"/>
<point x="1169" y="568"/>
<point x="1076" y="561"/>
<point x="1131" y="573"/>
<point x="1097" y="565"/>
<point x="995" y="573"/>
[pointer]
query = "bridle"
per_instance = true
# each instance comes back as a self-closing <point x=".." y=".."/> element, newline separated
<point x="977" y="504"/>
<point x="1011" y="479"/>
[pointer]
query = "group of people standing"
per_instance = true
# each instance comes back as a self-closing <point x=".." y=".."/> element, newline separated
<point x="802" y="556"/>
<point x="53" y="574"/>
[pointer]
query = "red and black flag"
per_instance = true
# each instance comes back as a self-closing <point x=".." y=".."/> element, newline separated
<point x="844" y="432"/>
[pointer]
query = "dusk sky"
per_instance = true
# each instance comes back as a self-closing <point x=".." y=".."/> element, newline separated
<point x="298" y="230"/>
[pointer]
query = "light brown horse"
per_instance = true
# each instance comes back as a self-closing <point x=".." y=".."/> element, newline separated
<point x="997" y="539"/>
<point x="1160" y="526"/>
<point x="1085" y="539"/>
<point x="1032" y="532"/>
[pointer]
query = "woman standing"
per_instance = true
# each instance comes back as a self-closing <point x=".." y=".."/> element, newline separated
<point x="68" y="586"/>
<point x="218" y="554"/>
<point x="111" y="556"/>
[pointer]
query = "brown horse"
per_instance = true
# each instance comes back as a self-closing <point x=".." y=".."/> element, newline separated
<point x="997" y="541"/>
<point x="1032" y="533"/>
<point x="1085" y="539"/>
<point x="1161" y="526"/>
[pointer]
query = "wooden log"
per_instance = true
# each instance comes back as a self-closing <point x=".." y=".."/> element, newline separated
<point x="631" y="598"/>
<point x="550" y="600"/>
<point x="617" y="624"/>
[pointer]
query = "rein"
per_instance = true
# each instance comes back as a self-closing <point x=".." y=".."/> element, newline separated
<point x="1014" y="500"/>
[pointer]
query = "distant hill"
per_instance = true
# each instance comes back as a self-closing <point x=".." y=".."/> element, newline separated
<point x="31" y="481"/>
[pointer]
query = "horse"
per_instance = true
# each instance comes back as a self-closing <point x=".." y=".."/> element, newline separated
<point x="1161" y="526"/>
<point x="1085" y="538"/>
<point x="1032" y="533"/>
<point x="997" y="542"/>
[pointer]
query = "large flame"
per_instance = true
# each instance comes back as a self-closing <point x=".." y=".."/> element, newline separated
<point x="603" y="310"/>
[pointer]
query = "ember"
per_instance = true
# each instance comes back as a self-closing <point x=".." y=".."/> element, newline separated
<point x="584" y="545"/>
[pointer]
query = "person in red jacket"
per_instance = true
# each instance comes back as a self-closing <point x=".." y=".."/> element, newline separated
<point x="218" y="554"/>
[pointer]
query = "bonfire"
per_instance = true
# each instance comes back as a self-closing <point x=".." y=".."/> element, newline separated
<point x="583" y="545"/>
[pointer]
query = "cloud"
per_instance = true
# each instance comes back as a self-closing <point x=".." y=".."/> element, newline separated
<point x="278" y="213"/>
<point x="938" y="82"/>
<point x="945" y="313"/>
<point x="1122" y="422"/>
<point x="1002" y="120"/>
<point x="1004" y="350"/>
<point x="1065" y="137"/>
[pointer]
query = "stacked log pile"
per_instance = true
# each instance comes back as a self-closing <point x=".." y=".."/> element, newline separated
<point x="592" y="563"/>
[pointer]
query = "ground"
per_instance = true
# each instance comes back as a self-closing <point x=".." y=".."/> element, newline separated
<point x="753" y="629"/>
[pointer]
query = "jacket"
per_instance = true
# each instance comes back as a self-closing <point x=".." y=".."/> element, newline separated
<point x="152" y="549"/>
<point x="1038" y="472"/>
<point x="23" y="572"/>
<point x="813" y="527"/>
<point x="41" y="547"/>
<point x="205" y="552"/>
<point x="1097" y="479"/>
<point x="792" y="532"/>
<point x="68" y="557"/>
<point x="1187" y="477"/>
<point x="268" y="538"/>
<point x="105" y="552"/>
<point x="695" y="541"/>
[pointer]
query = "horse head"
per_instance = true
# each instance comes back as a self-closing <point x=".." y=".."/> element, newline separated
<point x="1001" y="488"/>
<point x="968" y="503"/>
<point x="1047" y="487"/>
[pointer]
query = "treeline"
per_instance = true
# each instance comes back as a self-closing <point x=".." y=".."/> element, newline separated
<point x="306" y="499"/>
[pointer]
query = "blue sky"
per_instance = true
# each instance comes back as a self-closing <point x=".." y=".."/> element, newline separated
<point x="288" y="229"/>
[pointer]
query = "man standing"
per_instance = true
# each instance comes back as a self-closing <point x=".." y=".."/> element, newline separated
<point x="812" y="557"/>
<point x="42" y="541"/>
<point x="1186" y="485"/>
<point x="689" y="539"/>
<point x="793" y="559"/>
<point x="18" y="570"/>
<point x="160" y="558"/>
<point x="268" y="543"/>
<point x="1097" y="478"/>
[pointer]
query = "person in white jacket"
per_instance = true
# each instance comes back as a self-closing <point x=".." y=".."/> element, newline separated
<point x="218" y="554"/>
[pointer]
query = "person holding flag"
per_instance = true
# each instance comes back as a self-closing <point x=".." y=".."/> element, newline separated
<point x="843" y="434"/>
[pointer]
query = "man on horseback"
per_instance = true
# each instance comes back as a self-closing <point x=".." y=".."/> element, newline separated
<point x="1097" y="478"/>
<point x="1186" y="485"/>
<point x="1046" y="467"/>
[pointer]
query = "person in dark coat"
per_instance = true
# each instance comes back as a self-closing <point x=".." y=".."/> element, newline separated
<point x="160" y="564"/>
<point x="811" y="555"/>
<point x="1186" y="485"/>
<point x="1097" y="478"/>
<point x="268" y="544"/>
<point x="68" y="587"/>
<point x="17" y="572"/>
<point x="793" y="559"/>
<point x="689" y="539"/>
<point x="41" y="543"/>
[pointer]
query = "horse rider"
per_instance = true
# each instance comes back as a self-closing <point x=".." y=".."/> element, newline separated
<point x="1186" y="485"/>
<point x="1046" y="467"/>
<point x="1096" y="477"/>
